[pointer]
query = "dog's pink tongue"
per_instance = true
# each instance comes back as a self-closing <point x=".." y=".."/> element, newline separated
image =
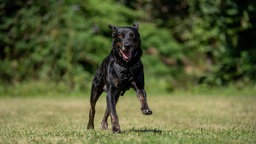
<point x="126" y="54"/>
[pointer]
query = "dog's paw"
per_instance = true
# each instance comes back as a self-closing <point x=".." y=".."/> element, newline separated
<point x="104" y="125"/>
<point x="117" y="132"/>
<point x="116" y="129"/>
<point x="146" y="111"/>
<point x="89" y="126"/>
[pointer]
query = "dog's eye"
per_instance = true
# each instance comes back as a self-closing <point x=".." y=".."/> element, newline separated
<point x="120" y="35"/>
<point x="131" y="35"/>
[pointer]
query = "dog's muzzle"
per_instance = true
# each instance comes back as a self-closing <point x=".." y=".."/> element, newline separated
<point x="126" y="52"/>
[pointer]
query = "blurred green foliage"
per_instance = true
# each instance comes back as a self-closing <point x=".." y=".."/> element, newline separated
<point x="218" y="37"/>
<point x="185" y="42"/>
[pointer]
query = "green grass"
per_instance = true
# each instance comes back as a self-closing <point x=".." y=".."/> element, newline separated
<point x="175" y="119"/>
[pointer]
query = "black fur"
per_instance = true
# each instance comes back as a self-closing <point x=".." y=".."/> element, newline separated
<point x="119" y="71"/>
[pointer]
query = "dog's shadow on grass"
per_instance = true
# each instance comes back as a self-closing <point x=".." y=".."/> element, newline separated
<point x="145" y="130"/>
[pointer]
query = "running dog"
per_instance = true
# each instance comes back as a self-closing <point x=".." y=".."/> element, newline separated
<point x="121" y="70"/>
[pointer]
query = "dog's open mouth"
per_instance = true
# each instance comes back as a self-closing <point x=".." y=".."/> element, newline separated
<point x="126" y="54"/>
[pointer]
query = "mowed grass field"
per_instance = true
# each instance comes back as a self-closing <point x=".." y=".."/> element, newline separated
<point x="175" y="119"/>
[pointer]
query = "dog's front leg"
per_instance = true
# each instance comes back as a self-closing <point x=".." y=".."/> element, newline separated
<point x="112" y="98"/>
<point x="142" y="96"/>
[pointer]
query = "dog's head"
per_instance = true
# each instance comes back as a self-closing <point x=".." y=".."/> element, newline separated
<point x="126" y="41"/>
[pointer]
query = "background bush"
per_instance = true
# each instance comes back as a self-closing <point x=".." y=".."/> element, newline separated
<point x="185" y="42"/>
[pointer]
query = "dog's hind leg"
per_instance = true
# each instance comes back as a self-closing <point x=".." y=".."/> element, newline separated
<point x="96" y="91"/>
<point x="94" y="97"/>
<point x="104" y="122"/>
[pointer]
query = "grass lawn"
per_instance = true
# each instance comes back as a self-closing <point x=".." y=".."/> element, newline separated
<point x="175" y="119"/>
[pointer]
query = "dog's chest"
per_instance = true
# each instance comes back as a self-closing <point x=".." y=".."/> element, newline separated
<point x="124" y="75"/>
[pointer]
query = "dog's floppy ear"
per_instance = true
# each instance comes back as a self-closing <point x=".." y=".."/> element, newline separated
<point x="136" y="26"/>
<point x="114" y="28"/>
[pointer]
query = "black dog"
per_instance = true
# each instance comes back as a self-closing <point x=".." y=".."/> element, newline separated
<point x="119" y="71"/>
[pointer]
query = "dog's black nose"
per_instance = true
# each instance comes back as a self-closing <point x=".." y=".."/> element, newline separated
<point x="127" y="46"/>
